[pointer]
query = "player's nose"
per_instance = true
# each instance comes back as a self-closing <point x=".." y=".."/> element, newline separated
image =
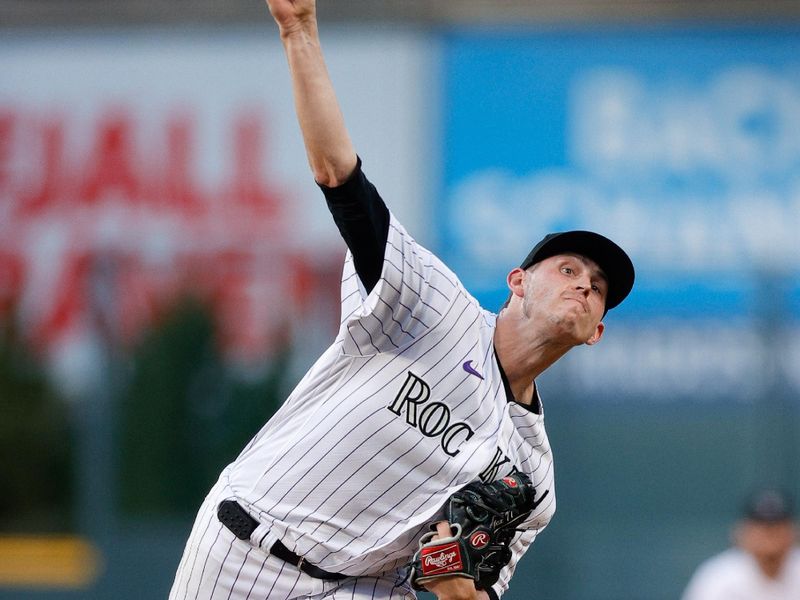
<point x="584" y="284"/>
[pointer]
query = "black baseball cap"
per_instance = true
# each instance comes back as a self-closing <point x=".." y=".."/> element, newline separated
<point x="768" y="506"/>
<point x="612" y="259"/>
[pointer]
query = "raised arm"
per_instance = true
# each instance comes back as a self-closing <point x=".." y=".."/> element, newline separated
<point x="331" y="154"/>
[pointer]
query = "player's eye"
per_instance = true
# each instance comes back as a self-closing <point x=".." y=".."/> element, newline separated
<point x="567" y="270"/>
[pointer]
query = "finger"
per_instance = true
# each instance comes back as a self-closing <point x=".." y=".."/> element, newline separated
<point x="443" y="529"/>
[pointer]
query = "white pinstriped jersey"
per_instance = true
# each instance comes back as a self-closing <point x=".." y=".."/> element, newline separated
<point x="406" y="407"/>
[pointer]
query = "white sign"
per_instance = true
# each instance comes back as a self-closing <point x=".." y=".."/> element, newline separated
<point x="135" y="166"/>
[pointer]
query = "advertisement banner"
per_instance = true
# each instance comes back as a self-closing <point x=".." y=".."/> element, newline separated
<point x="680" y="145"/>
<point x="137" y="166"/>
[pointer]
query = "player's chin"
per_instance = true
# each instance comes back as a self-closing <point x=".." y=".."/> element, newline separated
<point x="583" y="325"/>
<point x="569" y="332"/>
<point x="578" y="329"/>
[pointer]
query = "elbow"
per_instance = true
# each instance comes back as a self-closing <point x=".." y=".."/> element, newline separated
<point x="334" y="173"/>
<point x="327" y="179"/>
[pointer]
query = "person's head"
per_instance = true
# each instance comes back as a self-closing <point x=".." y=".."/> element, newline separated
<point x="767" y="530"/>
<point x="569" y="281"/>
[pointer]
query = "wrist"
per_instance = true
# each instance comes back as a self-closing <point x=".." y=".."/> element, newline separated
<point x="304" y="31"/>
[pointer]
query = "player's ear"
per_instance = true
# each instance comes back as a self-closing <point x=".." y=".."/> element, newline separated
<point x="598" y="333"/>
<point x="515" y="280"/>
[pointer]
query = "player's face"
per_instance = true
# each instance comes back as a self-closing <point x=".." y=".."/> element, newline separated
<point x="568" y="293"/>
<point x="769" y="543"/>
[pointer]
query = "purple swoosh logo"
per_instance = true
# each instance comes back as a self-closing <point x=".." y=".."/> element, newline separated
<point x="470" y="369"/>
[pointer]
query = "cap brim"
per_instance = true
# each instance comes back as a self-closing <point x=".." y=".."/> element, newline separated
<point x="615" y="263"/>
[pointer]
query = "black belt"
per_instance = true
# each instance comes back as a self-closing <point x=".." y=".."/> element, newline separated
<point x="242" y="525"/>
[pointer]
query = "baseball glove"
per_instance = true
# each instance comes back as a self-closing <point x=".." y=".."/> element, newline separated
<point x="483" y="519"/>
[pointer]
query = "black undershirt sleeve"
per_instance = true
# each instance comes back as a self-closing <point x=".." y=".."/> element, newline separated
<point x="363" y="221"/>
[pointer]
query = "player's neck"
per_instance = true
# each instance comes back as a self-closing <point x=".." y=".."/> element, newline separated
<point x="770" y="567"/>
<point x="523" y="355"/>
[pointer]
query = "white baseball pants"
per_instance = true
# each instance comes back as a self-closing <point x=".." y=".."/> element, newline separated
<point x="216" y="565"/>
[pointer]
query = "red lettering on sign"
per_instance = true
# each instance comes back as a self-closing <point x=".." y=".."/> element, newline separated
<point x="180" y="189"/>
<point x="6" y="133"/>
<point x="247" y="187"/>
<point x="43" y="194"/>
<point x="111" y="168"/>
<point x="112" y="220"/>
<point x="68" y="298"/>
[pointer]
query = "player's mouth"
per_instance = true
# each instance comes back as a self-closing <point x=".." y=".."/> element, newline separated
<point x="579" y="300"/>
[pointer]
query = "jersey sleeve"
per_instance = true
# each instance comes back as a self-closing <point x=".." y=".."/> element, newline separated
<point x="363" y="222"/>
<point x="413" y="294"/>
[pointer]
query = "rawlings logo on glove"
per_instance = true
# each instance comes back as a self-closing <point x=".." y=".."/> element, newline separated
<point x="441" y="559"/>
<point x="483" y="518"/>
<point x="479" y="539"/>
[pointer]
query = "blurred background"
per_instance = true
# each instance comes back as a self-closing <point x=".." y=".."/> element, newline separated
<point x="168" y="269"/>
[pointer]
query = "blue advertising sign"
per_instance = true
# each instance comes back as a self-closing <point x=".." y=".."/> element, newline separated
<point x="682" y="146"/>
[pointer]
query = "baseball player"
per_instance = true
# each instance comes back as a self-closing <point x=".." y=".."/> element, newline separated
<point x="422" y="393"/>
<point x="763" y="564"/>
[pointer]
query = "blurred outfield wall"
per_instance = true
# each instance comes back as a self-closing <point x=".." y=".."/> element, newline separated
<point x="176" y="158"/>
<point x="138" y="164"/>
<point x="680" y="144"/>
